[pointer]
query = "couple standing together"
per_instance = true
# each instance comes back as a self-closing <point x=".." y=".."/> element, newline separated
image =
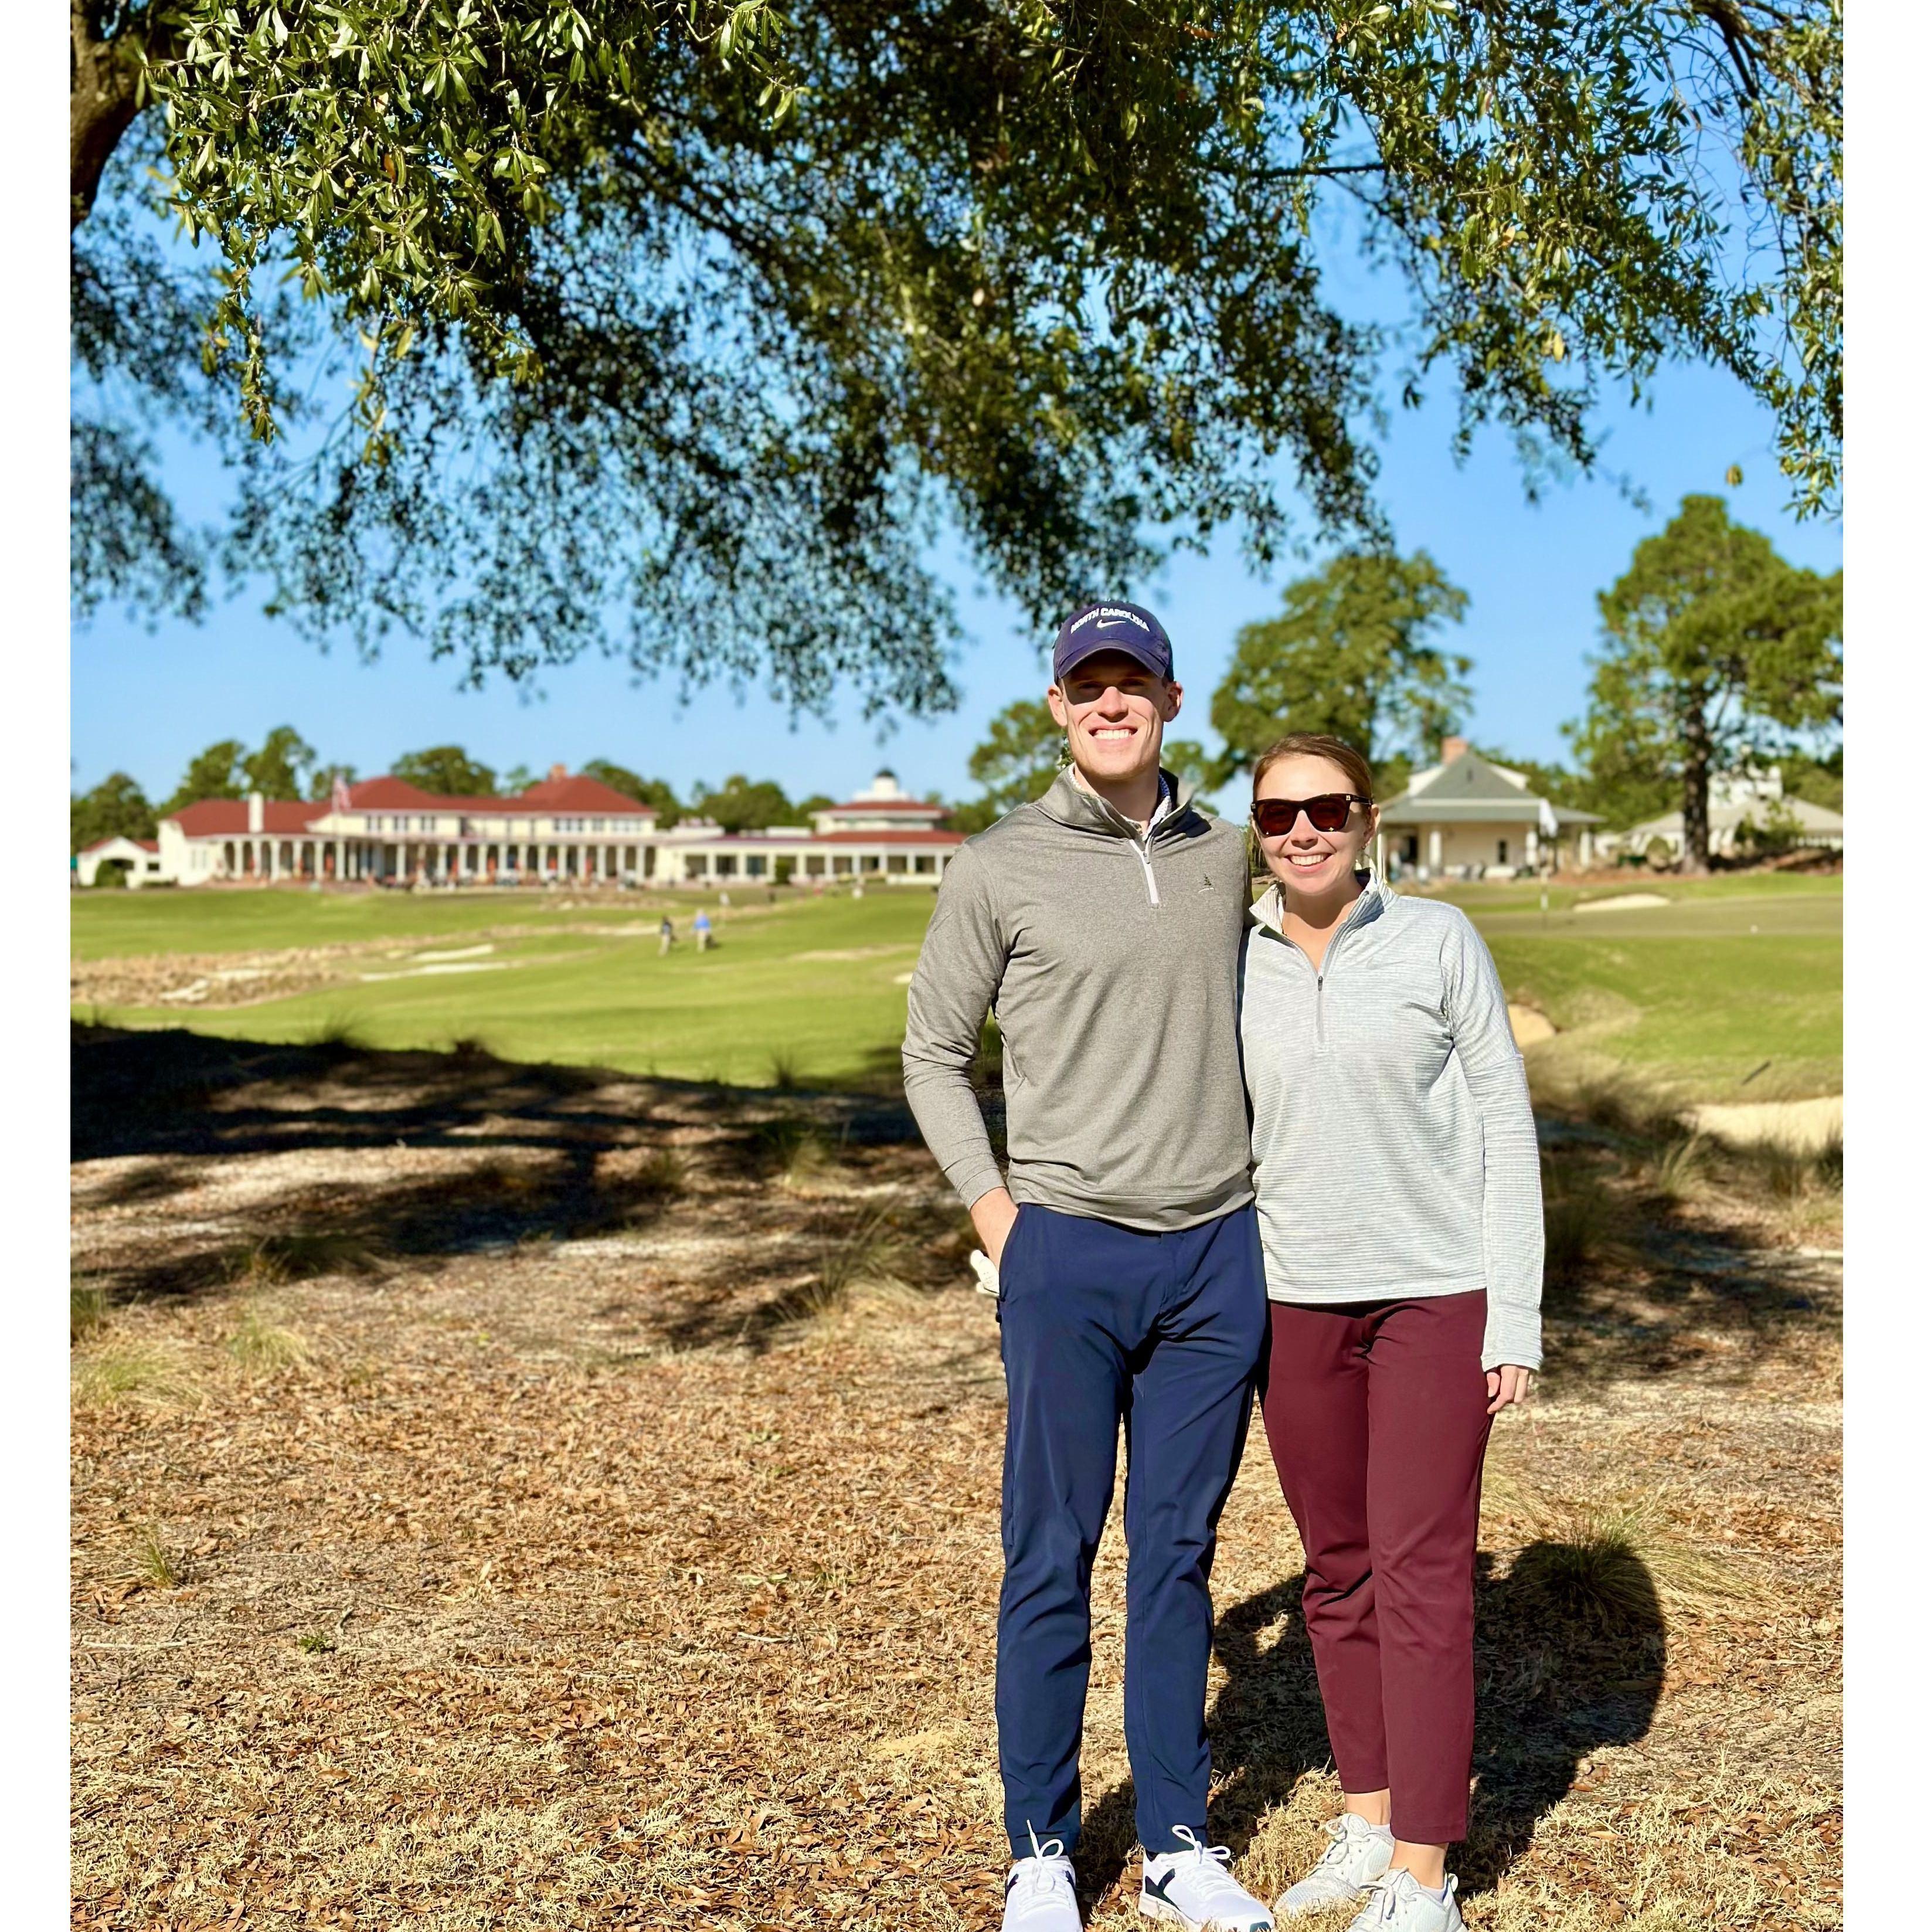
<point x="1287" y="1148"/>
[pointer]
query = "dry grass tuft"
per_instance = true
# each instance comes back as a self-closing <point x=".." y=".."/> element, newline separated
<point x="274" y="1261"/>
<point x="1612" y="1562"/>
<point x="154" y="1564"/>
<point x="794" y="1152"/>
<point x="1612" y="1096"/>
<point x="87" y="1310"/>
<point x="338" y="1032"/>
<point x="1679" y="1172"/>
<point x="1581" y="1225"/>
<point x="133" y="1372"/>
<point x="261" y="1346"/>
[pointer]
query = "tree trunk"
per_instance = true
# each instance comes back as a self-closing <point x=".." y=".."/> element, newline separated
<point x="103" y="81"/>
<point x="1695" y="794"/>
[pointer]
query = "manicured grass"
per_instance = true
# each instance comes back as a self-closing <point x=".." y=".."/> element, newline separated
<point x="1700" y="993"/>
<point x="121" y="925"/>
<point x="806" y="986"/>
<point x="1726" y="993"/>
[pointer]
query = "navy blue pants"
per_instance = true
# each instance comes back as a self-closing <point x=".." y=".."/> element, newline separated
<point x="1100" y="1323"/>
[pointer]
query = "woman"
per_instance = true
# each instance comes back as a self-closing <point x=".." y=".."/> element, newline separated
<point x="1400" y="1206"/>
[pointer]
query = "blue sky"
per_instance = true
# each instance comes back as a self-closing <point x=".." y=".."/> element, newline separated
<point x="145" y="702"/>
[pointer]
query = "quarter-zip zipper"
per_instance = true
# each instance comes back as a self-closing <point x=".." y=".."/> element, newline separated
<point x="1146" y="852"/>
<point x="1326" y="966"/>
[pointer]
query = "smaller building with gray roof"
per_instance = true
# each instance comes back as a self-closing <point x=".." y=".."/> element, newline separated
<point x="1465" y="817"/>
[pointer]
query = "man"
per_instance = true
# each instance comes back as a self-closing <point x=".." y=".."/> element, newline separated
<point x="700" y="928"/>
<point x="1102" y="924"/>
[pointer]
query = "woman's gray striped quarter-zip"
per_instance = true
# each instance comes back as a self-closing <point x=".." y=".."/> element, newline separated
<point x="1394" y="1147"/>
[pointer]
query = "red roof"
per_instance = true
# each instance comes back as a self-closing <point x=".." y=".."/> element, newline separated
<point x="573" y="794"/>
<point x="549" y="795"/>
<point x="220" y="817"/>
<point x="223" y="817"/>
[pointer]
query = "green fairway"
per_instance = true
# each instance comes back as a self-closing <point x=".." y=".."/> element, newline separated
<point x="1701" y="992"/>
<point x="1735" y="980"/>
<point x="812" y="987"/>
<point x="121" y="925"/>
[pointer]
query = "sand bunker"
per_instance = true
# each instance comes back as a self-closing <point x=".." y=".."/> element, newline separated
<point x="1803" y="1126"/>
<point x="1621" y="902"/>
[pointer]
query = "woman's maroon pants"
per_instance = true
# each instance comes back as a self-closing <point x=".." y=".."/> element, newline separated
<point x="1377" y="1414"/>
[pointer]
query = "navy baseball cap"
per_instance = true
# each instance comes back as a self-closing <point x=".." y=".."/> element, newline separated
<point x="1112" y="627"/>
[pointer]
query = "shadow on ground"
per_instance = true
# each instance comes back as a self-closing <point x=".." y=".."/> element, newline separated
<point x="1569" y="1658"/>
<point x="536" y="1153"/>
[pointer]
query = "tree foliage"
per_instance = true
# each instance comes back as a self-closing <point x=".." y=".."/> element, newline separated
<point x="1020" y="755"/>
<point x="745" y="804"/>
<point x="321" y="780"/>
<point x="447" y="770"/>
<point x="280" y="768"/>
<point x="215" y="772"/>
<point x="1716" y="654"/>
<point x="1351" y="653"/>
<point x="707" y="314"/>
<point x="116" y="807"/>
<point x="653" y="792"/>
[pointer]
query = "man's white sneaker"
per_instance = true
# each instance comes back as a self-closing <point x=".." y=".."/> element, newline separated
<point x="1357" y="1856"/>
<point x="1040" y="1890"/>
<point x="1397" y="1903"/>
<point x="1195" y="1889"/>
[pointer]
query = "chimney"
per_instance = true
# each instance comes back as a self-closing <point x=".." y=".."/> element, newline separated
<point x="1451" y="748"/>
<point x="254" y="811"/>
<point x="558" y="772"/>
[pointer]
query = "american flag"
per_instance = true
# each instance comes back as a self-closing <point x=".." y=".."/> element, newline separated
<point x="338" y="794"/>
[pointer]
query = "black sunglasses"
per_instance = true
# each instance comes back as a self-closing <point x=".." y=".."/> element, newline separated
<point x="1274" y="818"/>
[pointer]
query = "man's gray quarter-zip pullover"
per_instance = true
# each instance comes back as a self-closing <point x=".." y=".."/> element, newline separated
<point x="1111" y="960"/>
<point x="1395" y="1151"/>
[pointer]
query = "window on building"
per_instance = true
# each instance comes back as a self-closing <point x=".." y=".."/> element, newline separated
<point x="895" y="862"/>
<point x="1501" y="851"/>
<point x="922" y="862"/>
<point x="754" y="865"/>
<point x="814" y="865"/>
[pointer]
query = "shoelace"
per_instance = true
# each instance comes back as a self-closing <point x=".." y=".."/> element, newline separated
<point x="1213" y="1861"/>
<point x="1043" y="1880"/>
<point x="1385" y="1890"/>
<point x="1336" y="1853"/>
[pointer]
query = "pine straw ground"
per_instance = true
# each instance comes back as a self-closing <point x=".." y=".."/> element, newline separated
<point x="512" y="1497"/>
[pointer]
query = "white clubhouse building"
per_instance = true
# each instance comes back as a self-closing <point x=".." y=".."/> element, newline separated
<point x="565" y="830"/>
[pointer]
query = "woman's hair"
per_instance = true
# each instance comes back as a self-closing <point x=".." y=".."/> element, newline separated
<point x="1317" y="745"/>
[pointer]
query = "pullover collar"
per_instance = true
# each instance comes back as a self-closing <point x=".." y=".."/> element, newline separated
<point x="1266" y="910"/>
<point x="1070" y="802"/>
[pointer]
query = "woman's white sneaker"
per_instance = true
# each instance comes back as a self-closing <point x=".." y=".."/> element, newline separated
<point x="1194" y="1889"/>
<point x="1039" y="1893"/>
<point x="1398" y="1903"/>
<point x="1358" y="1855"/>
